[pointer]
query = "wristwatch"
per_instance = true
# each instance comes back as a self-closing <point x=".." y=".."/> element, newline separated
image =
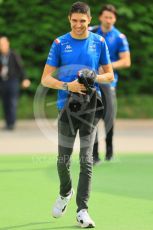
<point x="65" y="86"/>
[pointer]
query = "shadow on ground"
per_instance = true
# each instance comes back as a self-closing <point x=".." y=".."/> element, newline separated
<point x="38" y="226"/>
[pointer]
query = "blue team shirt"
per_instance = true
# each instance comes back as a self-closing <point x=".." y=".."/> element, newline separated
<point x="117" y="43"/>
<point x="70" y="55"/>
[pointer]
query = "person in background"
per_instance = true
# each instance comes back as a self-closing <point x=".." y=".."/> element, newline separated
<point x="11" y="74"/>
<point x="120" y="57"/>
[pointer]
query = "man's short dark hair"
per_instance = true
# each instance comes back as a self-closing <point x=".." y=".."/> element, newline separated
<point x="109" y="8"/>
<point x="80" y="7"/>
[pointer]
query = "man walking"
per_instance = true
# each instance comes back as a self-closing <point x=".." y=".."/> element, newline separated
<point x="72" y="56"/>
<point x="120" y="58"/>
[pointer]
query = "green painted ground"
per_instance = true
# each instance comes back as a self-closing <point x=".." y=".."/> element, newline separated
<point x="121" y="198"/>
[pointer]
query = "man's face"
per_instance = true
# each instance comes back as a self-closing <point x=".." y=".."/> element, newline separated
<point x="107" y="19"/>
<point x="4" y="45"/>
<point x="79" y="23"/>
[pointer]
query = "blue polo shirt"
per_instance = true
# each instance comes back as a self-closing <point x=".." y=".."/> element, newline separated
<point x="116" y="42"/>
<point x="70" y="55"/>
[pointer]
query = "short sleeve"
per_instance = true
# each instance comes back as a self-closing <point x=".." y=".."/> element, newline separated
<point x="54" y="54"/>
<point x="105" y="56"/>
<point x="123" y="44"/>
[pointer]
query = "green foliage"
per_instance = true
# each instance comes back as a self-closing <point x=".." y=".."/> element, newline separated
<point x="32" y="25"/>
<point x="135" y="106"/>
<point x="132" y="107"/>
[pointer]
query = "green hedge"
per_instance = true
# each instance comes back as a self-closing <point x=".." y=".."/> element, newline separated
<point x="32" y="25"/>
<point x="128" y="107"/>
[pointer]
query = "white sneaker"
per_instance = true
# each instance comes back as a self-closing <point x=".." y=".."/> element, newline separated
<point x="60" y="205"/>
<point x="84" y="219"/>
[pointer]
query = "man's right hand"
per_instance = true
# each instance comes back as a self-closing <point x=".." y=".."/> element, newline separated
<point x="76" y="87"/>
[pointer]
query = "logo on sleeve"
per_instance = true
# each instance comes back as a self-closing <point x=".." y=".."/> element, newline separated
<point x="57" y="41"/>
<point x="122" y="36"/>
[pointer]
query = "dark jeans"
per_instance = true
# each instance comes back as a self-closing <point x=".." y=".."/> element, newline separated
<point x="9" y="91"/>
<point x="68" y="125"/>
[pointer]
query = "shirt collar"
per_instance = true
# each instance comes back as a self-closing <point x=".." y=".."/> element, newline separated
<point x="104" y="34"/>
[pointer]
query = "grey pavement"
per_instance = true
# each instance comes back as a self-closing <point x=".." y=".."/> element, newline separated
<point x="30" y="136"/>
